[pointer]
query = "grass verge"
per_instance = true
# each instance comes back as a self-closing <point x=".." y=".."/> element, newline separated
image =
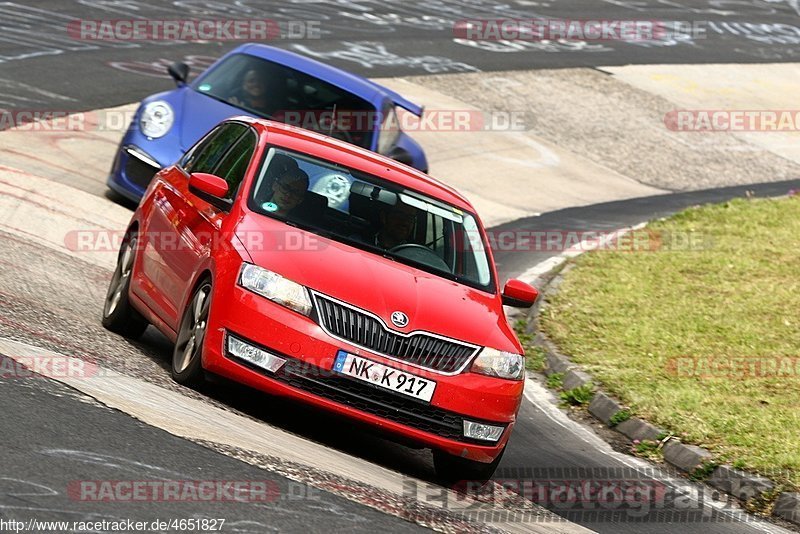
<point x="534" y="355"/>
<point x="696" y="328"/>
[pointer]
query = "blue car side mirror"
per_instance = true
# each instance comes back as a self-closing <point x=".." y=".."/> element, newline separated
<point x="179" y="72"/>
<point x="400" y="154"/>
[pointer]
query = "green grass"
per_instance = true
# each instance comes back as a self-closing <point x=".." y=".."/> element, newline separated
<point x="703" y="471"/>
<point x="620" y="417"/>
<point x="534" y="358"/>
<point x="555" y="380"/>
<point x="650" y="449"/>
<point x="637" y="321"/>
<point x="534" y="355"/>
<point x="578" y="396"/>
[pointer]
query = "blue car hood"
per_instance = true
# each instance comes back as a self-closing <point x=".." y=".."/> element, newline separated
<point x="199" y="114"/>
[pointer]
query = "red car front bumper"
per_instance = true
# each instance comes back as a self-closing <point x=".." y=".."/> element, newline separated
<point x="307" y="377"/>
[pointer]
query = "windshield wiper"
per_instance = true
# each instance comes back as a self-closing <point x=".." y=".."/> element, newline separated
<point x="422" y="266"/>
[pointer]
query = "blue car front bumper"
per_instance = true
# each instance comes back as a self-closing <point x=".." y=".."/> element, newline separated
<point x="132" y="171"/>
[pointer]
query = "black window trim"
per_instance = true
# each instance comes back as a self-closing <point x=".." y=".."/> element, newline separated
<point x="224" y="204"/>
<point x="214" y="133"/>
<point x="239" y="140"/>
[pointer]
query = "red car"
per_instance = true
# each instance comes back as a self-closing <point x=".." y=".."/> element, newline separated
<point x="307" y="267"/>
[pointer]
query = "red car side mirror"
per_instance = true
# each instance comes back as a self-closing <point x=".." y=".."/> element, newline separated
<point x="208" y="183"/>
<point x="519" y="294"/>
<point x="210" y="188"/>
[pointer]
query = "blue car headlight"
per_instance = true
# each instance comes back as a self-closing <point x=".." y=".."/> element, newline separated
<point x="156" y="119"/>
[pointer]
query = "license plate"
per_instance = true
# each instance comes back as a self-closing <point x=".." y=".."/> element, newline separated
<point x="384" y="376"/>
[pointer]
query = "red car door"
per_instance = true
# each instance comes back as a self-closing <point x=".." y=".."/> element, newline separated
<point x="182" y="227"/>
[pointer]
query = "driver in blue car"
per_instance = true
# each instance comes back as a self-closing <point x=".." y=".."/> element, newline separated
<point x="254" y="92"/>
<point x="397" y="226"/>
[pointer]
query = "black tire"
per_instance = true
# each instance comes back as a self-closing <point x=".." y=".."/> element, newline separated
<point x="187" y="368"/>
<point x="118" y="314"/>
<point x="452" y="469"/>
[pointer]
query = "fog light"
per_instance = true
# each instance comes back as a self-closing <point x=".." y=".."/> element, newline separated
<point x="254" y="355"/>
<point x="481" y="431"/>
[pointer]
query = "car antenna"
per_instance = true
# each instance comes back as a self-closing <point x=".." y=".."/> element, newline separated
<point x="333" y="119"/>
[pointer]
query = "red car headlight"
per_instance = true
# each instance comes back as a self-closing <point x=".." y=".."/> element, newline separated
<point x="275" y="287"/>
<point x="501" y="364"/>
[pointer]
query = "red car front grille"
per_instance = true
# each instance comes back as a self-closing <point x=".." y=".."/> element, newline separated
<point x="367" y="331"/>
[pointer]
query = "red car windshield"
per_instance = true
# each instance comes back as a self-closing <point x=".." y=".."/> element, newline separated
<point x="266" y="89"/>
<point x="372" y="214"/>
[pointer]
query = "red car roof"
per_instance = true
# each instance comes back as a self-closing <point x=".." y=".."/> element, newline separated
<point x="351" y="156"/>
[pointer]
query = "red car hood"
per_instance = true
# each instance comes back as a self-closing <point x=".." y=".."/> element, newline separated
<point x="380" y="285"/>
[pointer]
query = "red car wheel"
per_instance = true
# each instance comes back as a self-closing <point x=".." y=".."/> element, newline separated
<point x="187" y="366"/>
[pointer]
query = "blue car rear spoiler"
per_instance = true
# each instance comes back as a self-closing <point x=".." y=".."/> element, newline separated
<point x="399" y="100"/>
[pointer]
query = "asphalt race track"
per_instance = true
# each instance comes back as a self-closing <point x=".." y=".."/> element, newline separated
<point x="53" y="435"/>
<point x="51" y="458"/>
<point x="372" y="38"/>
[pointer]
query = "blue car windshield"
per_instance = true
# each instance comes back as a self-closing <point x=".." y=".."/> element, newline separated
<point x="266" y="89"/>
<point x="367" y="212"/>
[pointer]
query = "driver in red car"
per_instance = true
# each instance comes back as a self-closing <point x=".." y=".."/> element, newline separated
<point x="397" y="226"/>
<point x="288" y="191"/>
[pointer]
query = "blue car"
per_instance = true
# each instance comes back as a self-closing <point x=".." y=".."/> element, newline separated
<point x="267" y="82"/>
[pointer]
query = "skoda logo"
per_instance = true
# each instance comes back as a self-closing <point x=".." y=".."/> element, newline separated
<point x="399" y="319"/>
